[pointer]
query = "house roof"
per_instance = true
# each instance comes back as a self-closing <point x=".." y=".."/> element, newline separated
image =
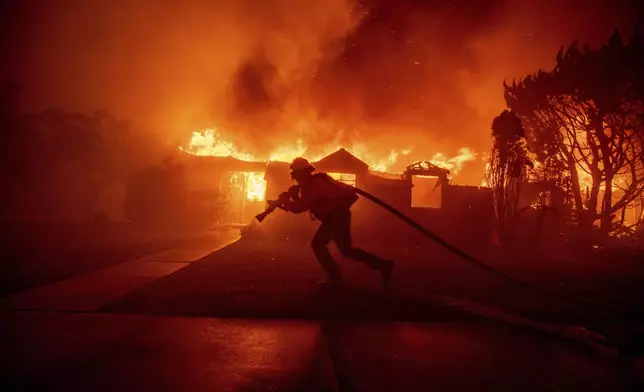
<point x="227" y="163"/>
<point x="341" y="161"/>
<point x="426" y="168"/>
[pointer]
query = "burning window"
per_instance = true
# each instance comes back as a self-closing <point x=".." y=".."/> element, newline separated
<point x="347" y="178"/>
<point x="252" y="184"/>
<point x="425" y="192"/>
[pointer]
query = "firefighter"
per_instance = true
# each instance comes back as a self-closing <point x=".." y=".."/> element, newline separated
<point x="329" y="201"/>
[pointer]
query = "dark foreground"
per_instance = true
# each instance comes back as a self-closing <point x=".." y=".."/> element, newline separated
<point x="250" y="317"/>
<point x="104" y="352"/>
<point x="37" y="253"/>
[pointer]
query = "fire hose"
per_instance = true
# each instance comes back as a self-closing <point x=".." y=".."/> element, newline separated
<point x="440" y="241"/>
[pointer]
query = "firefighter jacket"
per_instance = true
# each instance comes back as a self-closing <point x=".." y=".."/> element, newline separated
<point x="322" y="196"/>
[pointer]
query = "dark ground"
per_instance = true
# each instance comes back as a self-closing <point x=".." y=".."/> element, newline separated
<point x="278" y="278"/>
<point x="144" y="353"/>
<point x="251" y="317"/>
<point x="37" y="253"/>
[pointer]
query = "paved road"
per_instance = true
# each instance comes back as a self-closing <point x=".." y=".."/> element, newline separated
<point x="166" y="332"/>
<point x="105" y="352"/>
<point x="249" y="279"/>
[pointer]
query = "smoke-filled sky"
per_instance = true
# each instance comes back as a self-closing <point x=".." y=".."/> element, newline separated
<point x="388" y="73"/>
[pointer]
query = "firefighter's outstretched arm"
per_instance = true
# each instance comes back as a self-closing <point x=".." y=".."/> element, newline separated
<point x="295" y="206"/>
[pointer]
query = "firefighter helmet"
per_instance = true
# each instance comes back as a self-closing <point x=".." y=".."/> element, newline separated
<point x="301" y="164"/>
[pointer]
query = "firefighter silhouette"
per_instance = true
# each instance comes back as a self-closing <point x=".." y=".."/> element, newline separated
<point x="330" y="201"/>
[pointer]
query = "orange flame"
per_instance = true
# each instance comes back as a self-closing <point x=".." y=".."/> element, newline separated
<point x="454" y="164"/>
<point x="255" y="186"/>
<point x="210" y="142"/>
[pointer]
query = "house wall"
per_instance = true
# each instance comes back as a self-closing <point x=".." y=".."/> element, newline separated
<point x="466" y="215"/>
<point x="396" y="192"/>
<point x="203" y="176"/>
<point x="158" y="195"/>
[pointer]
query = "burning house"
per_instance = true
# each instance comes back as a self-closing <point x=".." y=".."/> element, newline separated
<point x="241" y="183"/>
<point x="422" y="191"/>
<point x="236" y="187"/>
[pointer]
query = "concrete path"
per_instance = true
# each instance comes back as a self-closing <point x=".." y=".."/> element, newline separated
<point x="92" y="291"/>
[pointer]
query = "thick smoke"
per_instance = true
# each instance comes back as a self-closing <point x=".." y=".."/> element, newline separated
<point x="388" y="73"/>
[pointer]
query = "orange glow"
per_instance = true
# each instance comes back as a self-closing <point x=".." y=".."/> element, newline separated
<point x="347" y="178"/>
<point x="366" y="68"/>
<point x="255" y="186"/>
<point x="211" y="142"/>
<point x="453" y="164"/>
<point x="574" y="137"/>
